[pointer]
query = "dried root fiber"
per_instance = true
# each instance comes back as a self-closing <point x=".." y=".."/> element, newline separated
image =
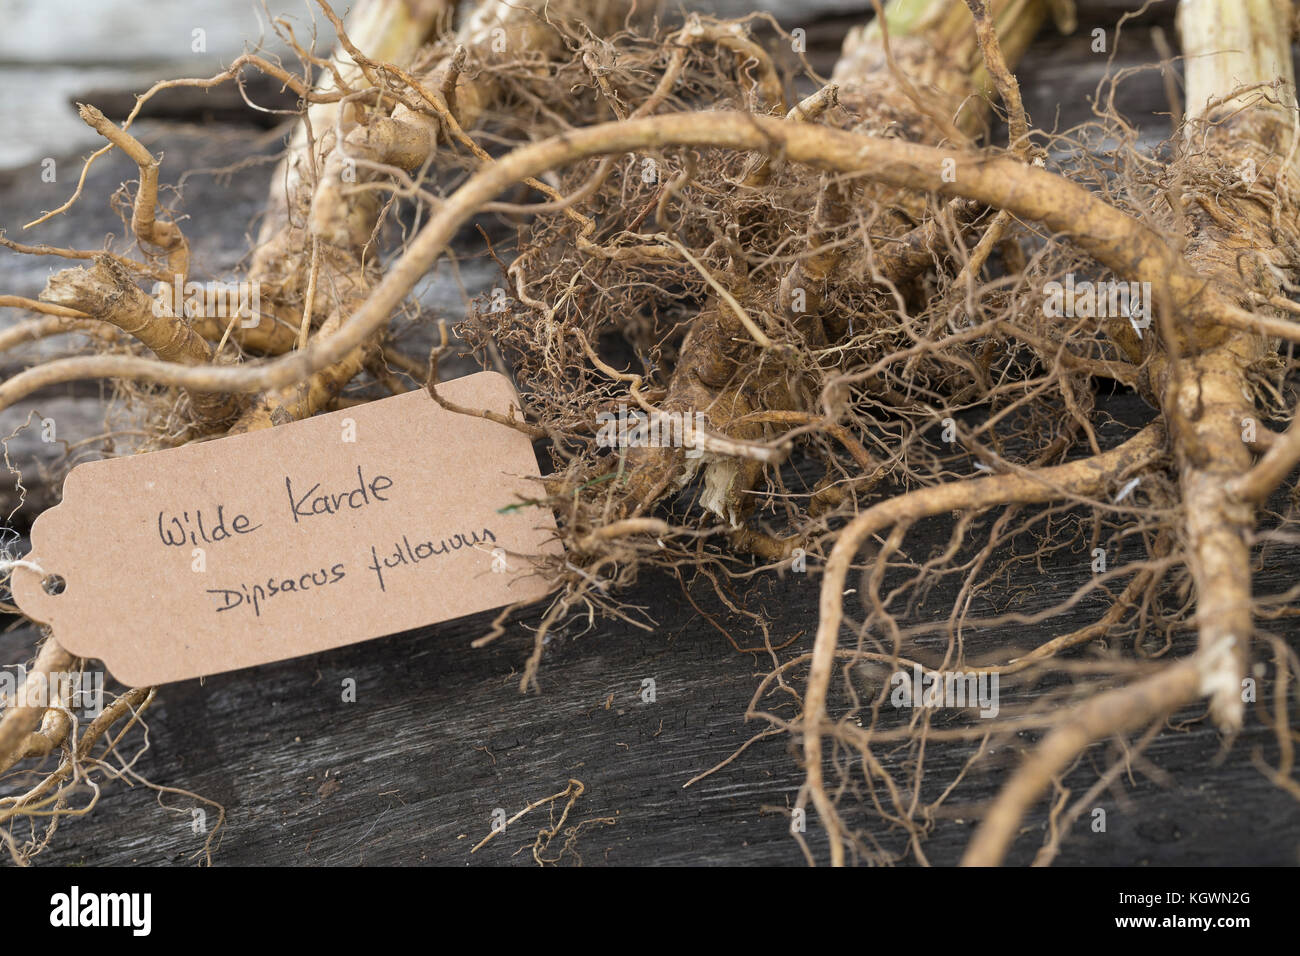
<point x="764" y="321"/>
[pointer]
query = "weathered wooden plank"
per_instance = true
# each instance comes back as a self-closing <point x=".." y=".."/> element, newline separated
<point x="439" y="737"/>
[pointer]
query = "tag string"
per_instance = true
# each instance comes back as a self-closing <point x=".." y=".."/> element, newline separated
<point x="10" y="564"/>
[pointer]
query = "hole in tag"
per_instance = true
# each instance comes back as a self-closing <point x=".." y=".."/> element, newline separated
<point x="54" y="584"/>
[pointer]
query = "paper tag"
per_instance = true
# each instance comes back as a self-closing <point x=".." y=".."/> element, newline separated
<point x="259" y="547"/>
